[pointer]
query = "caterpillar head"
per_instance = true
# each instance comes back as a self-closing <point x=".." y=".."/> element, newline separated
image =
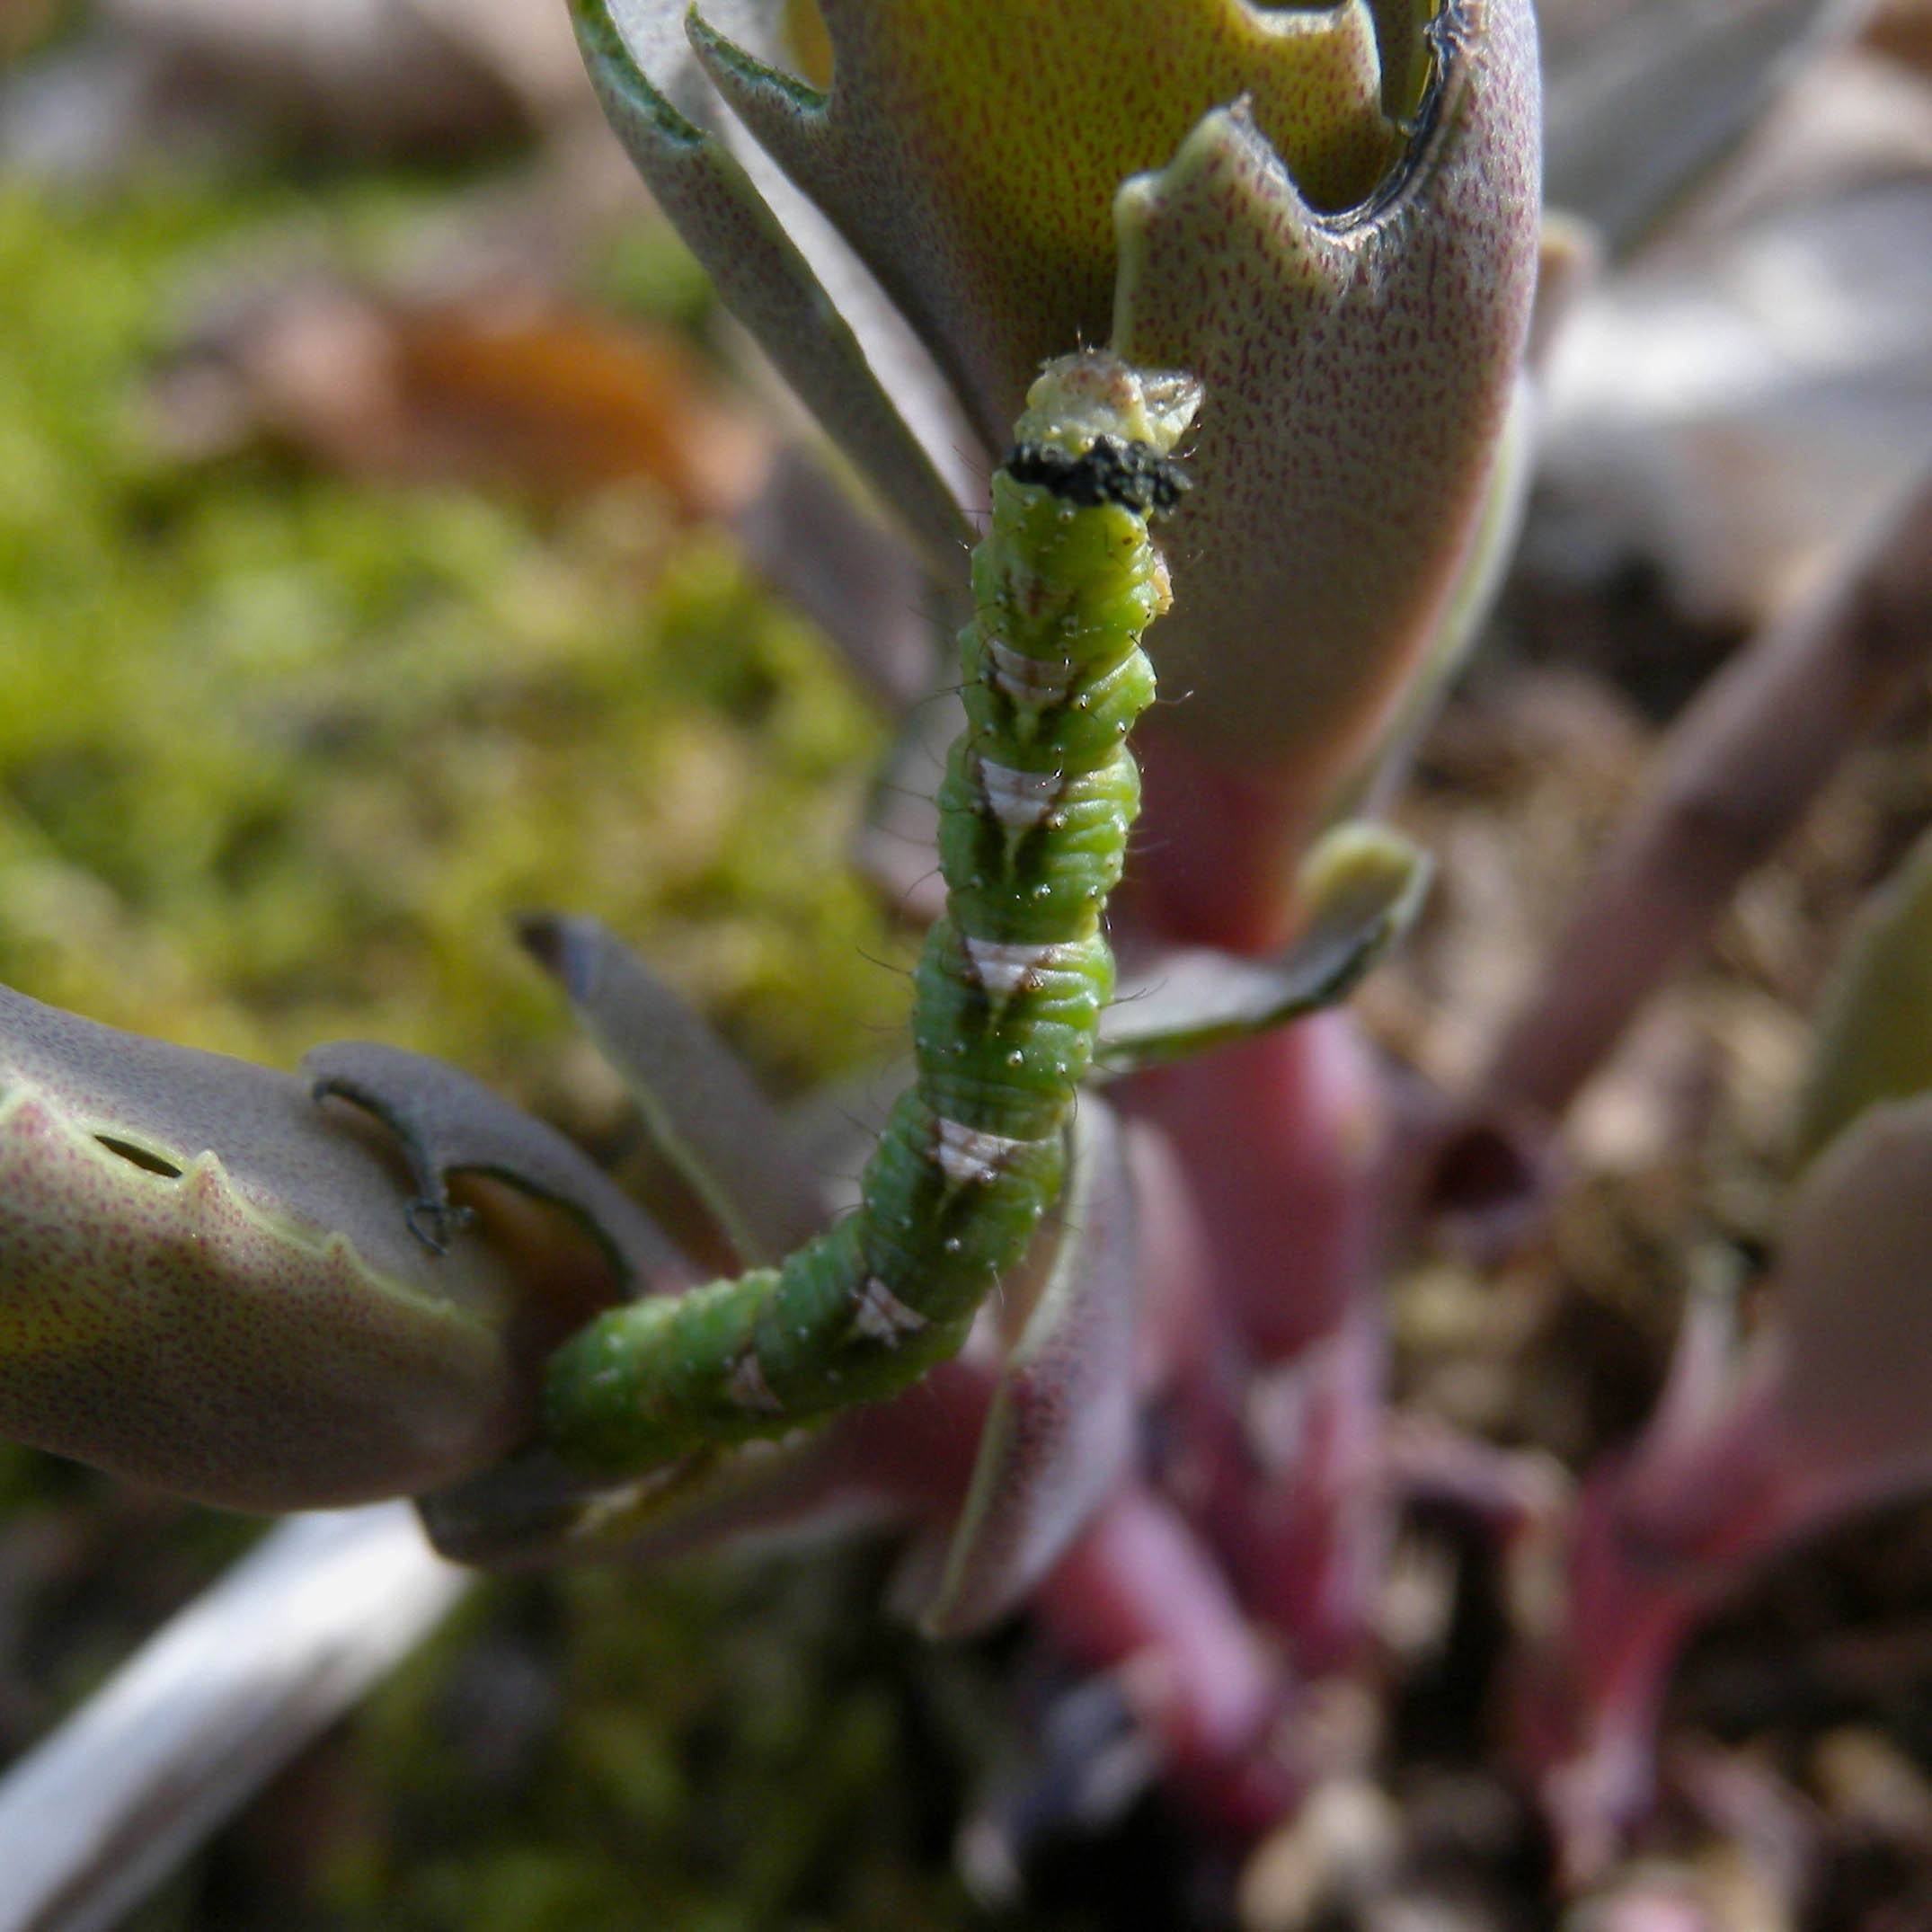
<point x="1076" y="399"/>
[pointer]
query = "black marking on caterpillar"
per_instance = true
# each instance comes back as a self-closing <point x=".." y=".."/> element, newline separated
<point x="1133" y="474"/>
<point x="1034" y="809"/>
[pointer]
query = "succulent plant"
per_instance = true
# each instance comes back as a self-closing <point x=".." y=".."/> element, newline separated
<point x="1321" y="222"/>
<point x="1327" y="219"/>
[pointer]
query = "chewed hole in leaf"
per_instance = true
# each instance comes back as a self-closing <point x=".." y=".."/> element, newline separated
<point x="1344" y="140"/>
<point x="1402" y="32"/>
<point x="1403" y="45"/>
<point x="145" y="1158"/>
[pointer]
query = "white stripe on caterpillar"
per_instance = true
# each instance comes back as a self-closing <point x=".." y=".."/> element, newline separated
<point x="1034" y="682"/>
<point x="881" y="1316"/>
<point x="749" y="1389"/>
<point x="1021" y="801"/>
<point x="1005" y="968"/>
<point x="966" y="1153"/>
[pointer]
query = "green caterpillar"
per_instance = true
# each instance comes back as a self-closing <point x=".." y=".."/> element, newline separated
<point x="1039" y="792"/>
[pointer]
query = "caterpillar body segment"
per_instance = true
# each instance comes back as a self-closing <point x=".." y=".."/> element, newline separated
<point x="1039" y="792"/>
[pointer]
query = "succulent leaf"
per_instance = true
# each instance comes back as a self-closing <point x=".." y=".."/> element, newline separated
<point x="447" y="1123"/>
<point x="533" y="1509"/>
<point x="763" y="277"/>
<point x="970" y="149"/>
<point x="1851" y="1280"/>
<point x="1825" y="1410"/>
<point x="1361" y="888"/>
<point x="1822" y="1414"/>
<point x="208" y="1283"/>
<point x="1339" y="238"/>
<point x="697" y="1101"/>
<point x="1359" y="369"/>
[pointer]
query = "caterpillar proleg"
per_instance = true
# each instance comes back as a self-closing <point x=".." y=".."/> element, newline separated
<point x="1039" y="792"/>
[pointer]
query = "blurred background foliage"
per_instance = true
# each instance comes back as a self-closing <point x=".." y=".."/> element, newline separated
<point x="282" y="749"/>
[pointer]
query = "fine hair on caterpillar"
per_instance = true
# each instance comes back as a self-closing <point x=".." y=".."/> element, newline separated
<point x="1039" y="792"/>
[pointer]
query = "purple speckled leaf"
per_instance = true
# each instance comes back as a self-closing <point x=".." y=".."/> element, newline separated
<point x="210" y="1283"/>
<point x="1358" y="370"/>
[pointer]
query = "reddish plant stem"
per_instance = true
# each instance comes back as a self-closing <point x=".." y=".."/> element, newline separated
<point x="1215" y="852"/>
<point x="1279" y="1138"/>
<point x="1141" y="1594"/>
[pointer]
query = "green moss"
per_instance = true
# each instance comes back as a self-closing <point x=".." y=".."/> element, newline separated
<point x="724" y="1748"/>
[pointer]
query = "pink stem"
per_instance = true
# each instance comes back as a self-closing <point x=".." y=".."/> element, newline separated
<point x="1140" y="1594"/>
<point x="1279" y="1138"/>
